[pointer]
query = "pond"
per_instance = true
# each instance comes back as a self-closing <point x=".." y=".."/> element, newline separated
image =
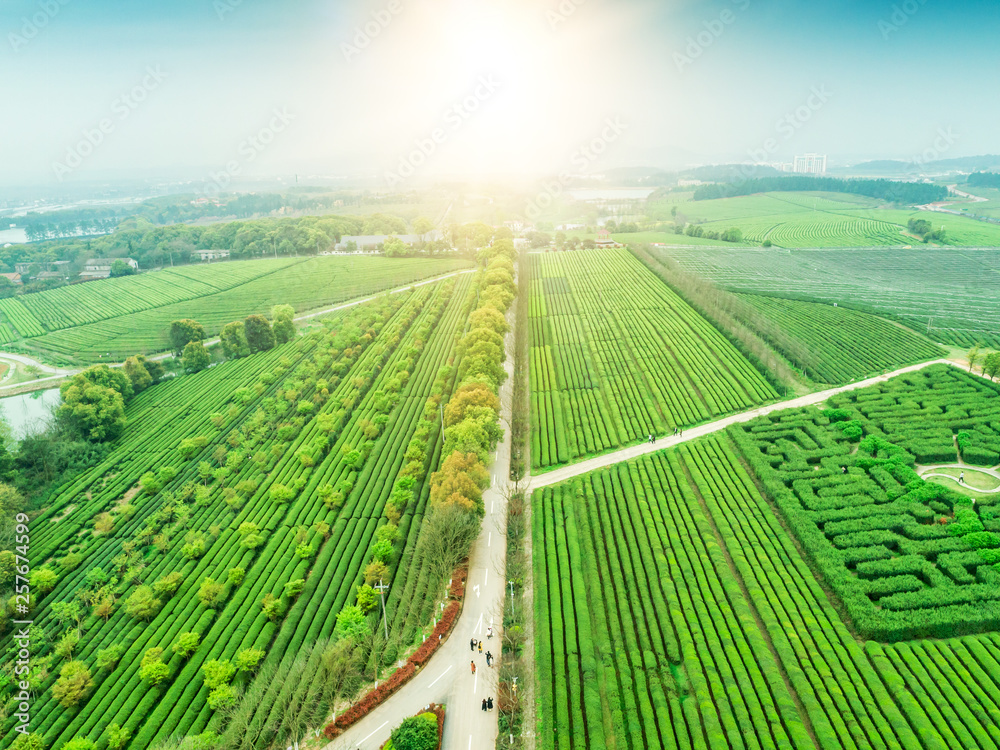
<point x="28" y="412"/>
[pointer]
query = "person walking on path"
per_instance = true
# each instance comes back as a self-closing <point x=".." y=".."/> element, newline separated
<point x="480" y="647"/>
<point x="472" y="644"/>
<point x="489" y="632"/>
<point x="961" y="477"/>
<point x="484" y="704"/>
<point x="489" y="703"/>
<point x="489" y="659"/>
<point x="473" y="667"/>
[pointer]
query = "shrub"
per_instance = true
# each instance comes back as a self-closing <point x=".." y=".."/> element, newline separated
<point x="217" y="672"/>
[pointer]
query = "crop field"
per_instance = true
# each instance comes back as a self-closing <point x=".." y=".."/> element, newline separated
<point x="673" y="609"/>
<point x="131" y="315"/>
<point x="952" y="295"/>
<point x="816" y="219"/>
<point x="843" y="344"/>
<point x="617" y="356"/>
<point x="268" y="476"/>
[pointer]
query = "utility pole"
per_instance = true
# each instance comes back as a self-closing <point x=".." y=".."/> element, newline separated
<point x="511" y="582"/>
<point x="382" y="588"/>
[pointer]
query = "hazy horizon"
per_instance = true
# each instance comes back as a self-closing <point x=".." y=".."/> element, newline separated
<point x="233" y="89"/>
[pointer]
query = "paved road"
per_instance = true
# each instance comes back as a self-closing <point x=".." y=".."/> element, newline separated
<point x="447" y="678"/>
<point x="625" y="454"/>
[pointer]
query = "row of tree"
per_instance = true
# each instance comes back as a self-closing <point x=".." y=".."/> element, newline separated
<point x="909" y="193"/>
<point x="989" y="362"/>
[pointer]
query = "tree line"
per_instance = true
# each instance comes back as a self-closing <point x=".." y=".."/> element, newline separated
<point x="910" y="193"/>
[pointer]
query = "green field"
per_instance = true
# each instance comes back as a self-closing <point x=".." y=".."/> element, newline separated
<point x="836" y="344"/>
<point x="952" y="295"/>
<point x="616" y="356"/>
<point x="344" y="409"/>
<point x="674" y="609"/>
<point x="131" y="315"/>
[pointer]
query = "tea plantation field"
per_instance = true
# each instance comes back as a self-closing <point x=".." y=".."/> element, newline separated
<point x="131" y="315"/>
<point x="236" y="515"/>
<point x="952" y="295"/>
<point x="676" y="604"/>
<point x="616" y="356"/>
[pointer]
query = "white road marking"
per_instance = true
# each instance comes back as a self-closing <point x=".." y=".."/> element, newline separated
<point x="479" y="625"/>
<point x="366" y="738"/>
<point x="470" y="742"/>
<point x="489" y="539"/>
<point x="492" y="503"/>
<point x="486" y="578"/>
<point x="476" y="589"/>
<point x="442" y="675"/>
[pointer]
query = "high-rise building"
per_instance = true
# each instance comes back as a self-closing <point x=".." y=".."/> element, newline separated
<point x="810" y="164"/>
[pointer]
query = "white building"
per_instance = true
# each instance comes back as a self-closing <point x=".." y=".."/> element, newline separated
<point x="370" y="242"/>
<point x="206" y="255"/>
<point x="100" y="268"/>
<point x="810" y="164"/>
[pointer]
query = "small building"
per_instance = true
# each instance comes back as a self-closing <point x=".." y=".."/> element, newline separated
<point x="604" y="239"/>
<point x="370" y="242"/>
<point x="14" y="277"/>
<point x="58" y="267"/>
<point x="210" y="255"/>
<point x="100" y="268"/>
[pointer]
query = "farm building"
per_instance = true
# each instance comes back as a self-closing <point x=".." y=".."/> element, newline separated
<point x="100" y="268"/>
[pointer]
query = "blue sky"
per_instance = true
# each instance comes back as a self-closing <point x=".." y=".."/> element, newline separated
<point x="695" y="81"/>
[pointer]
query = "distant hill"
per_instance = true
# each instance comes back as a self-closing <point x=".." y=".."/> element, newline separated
<point x="985" y="162"/>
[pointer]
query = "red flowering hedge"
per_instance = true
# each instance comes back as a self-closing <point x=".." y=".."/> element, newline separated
<point x="402" y="675"/>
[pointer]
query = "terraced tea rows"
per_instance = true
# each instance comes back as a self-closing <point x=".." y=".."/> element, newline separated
<point x="616" y="356"/>
<point x="674" y="610"/>
<point x="950" y="294"/>
<point x="241" y="505"/>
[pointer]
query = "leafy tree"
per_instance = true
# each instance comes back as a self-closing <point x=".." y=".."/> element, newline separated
<point x="974" y="356"/>
<point x="137" y="374"/>
<point x="417" y="733"/>
<point x="224" y="697"/>
<point x="284" y="323"/>
<point x="108" y="657"/>
<point x="33" y="741"/>
<point x="68" y="643"/>
<point x="234" y="340"/>
<point x="183" y="332"/>
<point x="118" y="736"/>
<point x="152" y="669"/>
<point x="154" y="367"/>
<point x="235" y="576"/>
<point x="367" y="598"/>
<point x="394" y="247"/>
<point x="461" y="480"/>
<point x="95" y="412"/>
<point x="375" y="571"/>
<point x="260" y="336"/>
<point x="210" y="592"/>
<point x="217" y="672"/>
<point x="248" y="659"/>
<point x="991" y="365"/>
<point x="351" y="623"/>
<point x="167" y="585"/>
<point x="43" y="580"/>
<point x="7" y="288"/>
<point x="73" y="684"/>
<point x="196" y="357"/>
<point x="80" y="743"/>
<point x="294" y="588"/>
<point x="142" y="604"/>
<point x="186" y="644"/>
<point x="121" y="268"/>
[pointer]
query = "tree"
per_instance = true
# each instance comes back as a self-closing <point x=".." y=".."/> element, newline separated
<point x="284" y="323"/>
<point x="137" y="374"/>
<point x="991" y="365"/>
<point x="449" y="532"/>
<point x="95" y="412"/>
<point x="248" y="659"/>
<point x="234" y="340"/>
<point x="974" y="356"/>
<point x="80" y="743"/>
<point x="118" y="736"/>
<point x="196" y="357"/>
<point x="417" y="733"/>
<point x="121" y="268"/>
<point x="33" y="741"/>
<point x="186" y="644"/>
<point x="7" y="288"/>
<point x="394" y="248"/>
<point x="108" y="657"/>
<point x="217" y="672"/>
<point x="43" y="580"/>
<point x="210" y="592"/>
<point x="183" y="332"/>
<point x="260" y="336"/>
<point x="152" y="668"/>
<point x="351" y="623"/>
<point x="155" y="368"/>
<point x="73" y="684"/>
<point x="376" y="571"/>
<point x="142" y="604"/>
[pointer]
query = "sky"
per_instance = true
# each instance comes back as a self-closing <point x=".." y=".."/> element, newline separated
<point x="405" y="90"/>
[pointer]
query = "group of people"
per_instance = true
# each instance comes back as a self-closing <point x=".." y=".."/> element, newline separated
<point x="677" y="433"/>
<point x="474" y="645"/>
<point x="488" y="704"/>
